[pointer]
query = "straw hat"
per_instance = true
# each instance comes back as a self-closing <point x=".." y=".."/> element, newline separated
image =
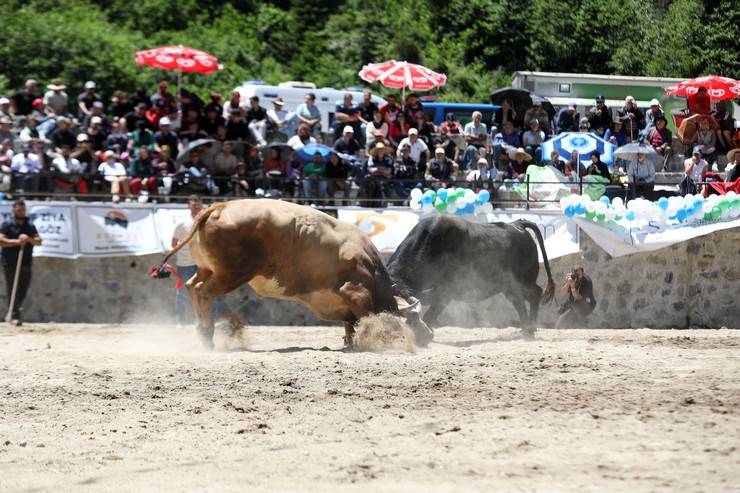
<point x="379" y="148"/>
<point x="731" y="154"/>
<point x="520" y="155"/>
<point x="56" y="85"/>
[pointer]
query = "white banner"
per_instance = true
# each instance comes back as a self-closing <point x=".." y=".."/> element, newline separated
<point x="55" y="224"/>
<point x="166" y="220"/>
<point x="386" y="229"/>
<point x="113" y="231"/>
<point x="618" y="241"/>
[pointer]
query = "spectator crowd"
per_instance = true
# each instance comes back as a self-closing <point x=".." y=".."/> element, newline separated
<point x="139" y="145"/>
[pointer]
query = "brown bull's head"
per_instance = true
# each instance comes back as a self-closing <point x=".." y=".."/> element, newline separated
<point x="411" y="311"/>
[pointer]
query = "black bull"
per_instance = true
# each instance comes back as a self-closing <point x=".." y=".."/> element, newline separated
<point x="446" y="258"/>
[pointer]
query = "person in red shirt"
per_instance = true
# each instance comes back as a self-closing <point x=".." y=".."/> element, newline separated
<point x="700" y="102"/>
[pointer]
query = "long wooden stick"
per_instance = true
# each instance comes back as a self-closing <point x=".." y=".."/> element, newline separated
<point x="9" y="316"/>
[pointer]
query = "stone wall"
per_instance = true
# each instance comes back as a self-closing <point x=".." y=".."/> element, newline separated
<point x="694" y="283"/>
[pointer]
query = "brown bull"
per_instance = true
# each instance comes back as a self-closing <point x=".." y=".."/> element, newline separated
<point x="287" y="251"/>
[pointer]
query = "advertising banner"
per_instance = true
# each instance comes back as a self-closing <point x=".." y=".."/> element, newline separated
<point x="55" y="224"/>
<point x="618" y="240"/>
<point x="386" y="229"/>
<point x="112" y="231"/>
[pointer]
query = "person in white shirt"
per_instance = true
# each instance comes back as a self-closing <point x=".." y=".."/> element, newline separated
<point x="481" y="176"/>
<point x="696" y="171"/>
<point x="475" y="134"/>
<point x="68" y="170"/>
<point x="26" y="167"/>
<point x="418" y="148"/>
<point x="376" y="124"/>
<point x="301" y="138"/>
<point x="114" y="173"/>
<point x="184" y="262"/>
<point x="283" y="121"/>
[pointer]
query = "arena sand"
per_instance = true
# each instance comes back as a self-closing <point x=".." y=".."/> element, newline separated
<point x="141" y="408"/>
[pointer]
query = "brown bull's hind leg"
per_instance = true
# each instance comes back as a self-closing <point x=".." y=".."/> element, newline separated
<point x="201" y="295"/>
<point x="349" y="333"/>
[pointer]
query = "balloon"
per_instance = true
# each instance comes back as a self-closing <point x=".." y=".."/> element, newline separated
<point x="580" y="210"/>
<point x="426" y="200"/>
<point x="590" y="215"/>
<point x="681" y="215"/>
<point x="630" y="215"/>
<point x="478" y="201"/>
<point x="569" y="211"/>
<point x="440" y="205"/>
<point x="604" y="200"/>
<point x="716" y="212"/>
<point x="415" y="204"/>
<point x="469" y="209"/>
<point x="469" y="196"/>
<point x="427" y="207"/>
<point x="663" y="203"/>
<point x="416" y="194"/>
<point x="484" y="195"/>
<point x="442" y="194"/>
<point x="617" y="202"/>
<point x="487" y="208"/>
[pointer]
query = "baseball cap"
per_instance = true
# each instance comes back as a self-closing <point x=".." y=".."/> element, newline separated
<point x="37" y="102"/>
<point x="164" y="121"/>
<point x="4" y="100"/>
<point x="98" y="104"/>
<point x="348" y="129"/>
<point x="82" y="138"/>
<point x="413" y="131"/>
<point x="96" y="119"/>
<point x="696" y="150"/>
<point x="600" y="98"/>
<point x="163" y="84"/>
<point x="439" y="150"/>
<point x="90" y="84"/>
<point x="654" y="102"/>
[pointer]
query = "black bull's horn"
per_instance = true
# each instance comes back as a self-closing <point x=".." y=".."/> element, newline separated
<point x="408" y="306"/>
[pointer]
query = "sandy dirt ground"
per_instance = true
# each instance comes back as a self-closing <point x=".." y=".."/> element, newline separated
<point x="141" y="408"/>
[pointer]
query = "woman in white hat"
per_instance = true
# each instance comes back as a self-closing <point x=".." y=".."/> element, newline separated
<point x="733" y="166"/>
<point x="114" y="173"/>
<point x="518" y="164"/>
<point x="652" y="115"/>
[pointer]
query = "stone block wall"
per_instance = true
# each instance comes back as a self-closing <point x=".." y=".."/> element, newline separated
<point x="694" y="283"/>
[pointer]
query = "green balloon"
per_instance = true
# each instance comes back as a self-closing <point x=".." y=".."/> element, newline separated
<point x="600" y="217"/>
<point x="440" y="205"/>
<point x="724" y="205"/>
<point x="590" y="215"/>
<point x="451" y="199"/>
<point x="707" y="216"/>
<point x="716" y="212"/>
<point x="617" y="218"/>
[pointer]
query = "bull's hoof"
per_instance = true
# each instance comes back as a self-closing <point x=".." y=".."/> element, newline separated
<point x="349" y="342"/>
<point x="207" y="343"/>
<point x="423" y="336"/>
<point x="528" y="334"/>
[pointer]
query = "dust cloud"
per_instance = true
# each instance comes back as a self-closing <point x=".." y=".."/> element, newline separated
<point x="384" y="333"/>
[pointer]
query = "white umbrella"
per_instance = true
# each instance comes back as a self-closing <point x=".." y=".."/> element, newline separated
<point x="629" y="152"/>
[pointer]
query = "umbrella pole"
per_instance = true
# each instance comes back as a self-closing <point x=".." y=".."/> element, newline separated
<point x="179" y="81"/>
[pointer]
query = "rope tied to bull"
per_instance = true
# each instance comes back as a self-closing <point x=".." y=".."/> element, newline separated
<point x="164" y="271"/>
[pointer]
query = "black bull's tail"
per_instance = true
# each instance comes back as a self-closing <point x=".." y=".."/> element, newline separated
<point x="161" y="270"/>
<point x="549" y="292"/>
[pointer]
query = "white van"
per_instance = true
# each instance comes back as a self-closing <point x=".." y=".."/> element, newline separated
<point x="293" y="94"/>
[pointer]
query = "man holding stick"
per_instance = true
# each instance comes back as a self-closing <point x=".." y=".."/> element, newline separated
<point x="17" y="239"/>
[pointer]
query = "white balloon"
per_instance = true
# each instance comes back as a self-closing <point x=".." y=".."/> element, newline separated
<point x="415" y="205"/>
<point x="416" y="193"/>
<point x="487" y="208"/>
<point x="427" y="208"/>
<point x="617" y="201"/>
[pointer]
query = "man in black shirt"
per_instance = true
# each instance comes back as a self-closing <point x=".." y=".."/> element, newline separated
<point x="347" y="144"/>
<point x="580" y="302"/>
<point x="23" y="100"/>
<point x="257" y="121"/>
<point x="15" y="234"/>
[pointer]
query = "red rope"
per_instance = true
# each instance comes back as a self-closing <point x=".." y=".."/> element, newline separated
<point x="160" y="273"/>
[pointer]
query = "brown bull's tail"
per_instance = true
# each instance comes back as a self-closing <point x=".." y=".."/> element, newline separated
<point x="549" y="292"/>
<point x="199" y="221"/>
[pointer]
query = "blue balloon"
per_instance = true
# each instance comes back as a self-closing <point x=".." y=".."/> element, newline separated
<point x="663" y="203"/>
<point x="469" y="209"/>
<point x="681" y="215"/>
<point x="442" y="194"/>
<point x="605" y="200"/>
<point x="630" y="215"/>
<point x="580" y="209"/>
<point x="459" y="212"/>
<point x="426" y="199"/>
<point x="478" y="201"/>
<point x="484" y="195"/>
<point x="569" y="211"/>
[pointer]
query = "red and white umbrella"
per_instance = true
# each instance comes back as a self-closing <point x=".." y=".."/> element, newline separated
<point x="179" y="58"/>
<point x="402" y="75"/>
<point x="718" y="87"/>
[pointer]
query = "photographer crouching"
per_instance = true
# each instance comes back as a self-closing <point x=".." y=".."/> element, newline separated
<point x="580" y="303"/>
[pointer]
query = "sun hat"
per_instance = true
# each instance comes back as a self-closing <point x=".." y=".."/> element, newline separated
<point x="379" y="148"/>
<point x="731" y="154"/>
<point x="56" y="85"/>
<point x="521" y="155"/>
<point x="278" y="101"/>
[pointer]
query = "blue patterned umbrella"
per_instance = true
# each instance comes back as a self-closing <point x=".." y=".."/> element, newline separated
<point x="581" y="142"/>
<point x="305" y="153"/>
